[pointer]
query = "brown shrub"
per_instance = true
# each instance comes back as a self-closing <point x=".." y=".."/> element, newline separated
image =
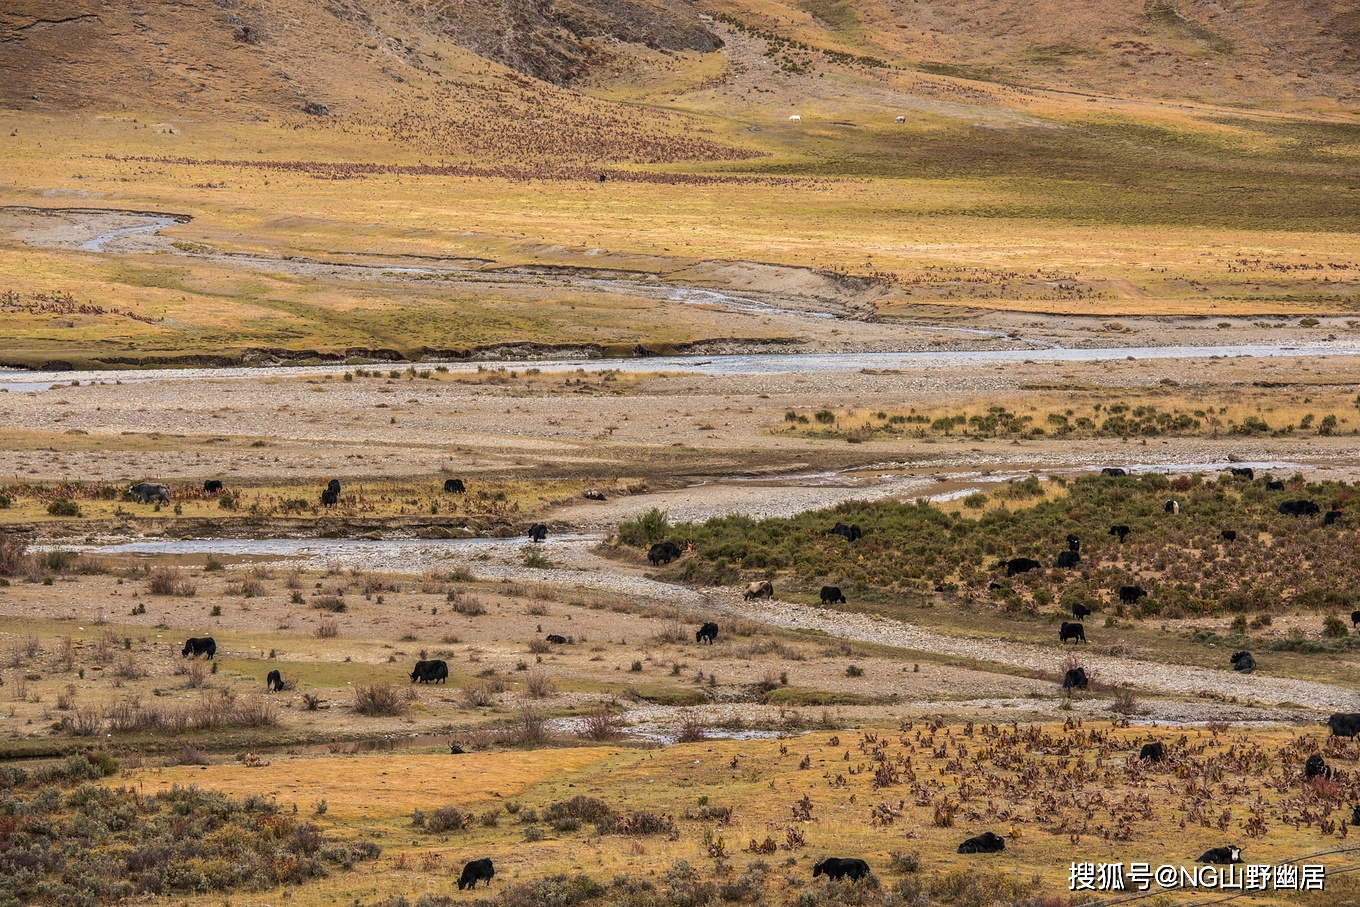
<point x="478" y="696"/>
<point x="600" y="725"/>
<point x="14" y="558"/>
<point x="197" y="674"/>
<point x="539" y="685"/>
<point x="129" y="668"/>
<point x="692" y="729"/>
<point x="327" y="628"/>
<point x="528" y="730"/>
<point x="170" y="581"/>
<point x="380" y="700"/>
<point x="466" y="604"/>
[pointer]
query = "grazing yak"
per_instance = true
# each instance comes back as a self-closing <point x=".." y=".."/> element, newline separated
<point x="212" y="486"/>
<point x="758" y="589"/>
<point x="333" y="485"/>
<point x="1113" y="472"/>
<point x="148" y="492"/>
<point x="1021" y="565"/>
<point x="1275" y="485"/>
<point x="1152" y="752"/>
<point x="1067" y="559"/>
<point x="329" y="498"/>
<point x="1074" y="543"/>
<point x="707" y="633"/>
<point x="849" y="533"/>
<point x="1242" y="662"/>
<point x="663" y="553"/>
<point x="1121" y="531"/>
<point x="454" y="486"/>
<point x="1079" y="610"/>
<point x="1243" y="472"/>
<point x="1330" y="517"/>
<point x="475" y="871"/>
<point x="1223" y="855"/>
<point x="1316" y="767"/>
<point x="593" y="494"/>
<point x="1228" y="535"/>
<point x="538" y="532"/>
<point x="1075" y="632"/>
<point x="1172" y="507"/>
<point x="1355" y="619"/>
<point x="436" y="670"/>
<point x="1344" y="724"/>
<point x="838" y="868"/>
<point x="556" y="639"/>
<point x="199" y="645"/>
<point x="1355" y="815"/>
<point x="274" y="682"/>
<point x="987" y="842"/>
<point x="1129" y="595"/>
<point x="1075" y="679"/>
<point x="832" y="595"/>
<point x="1299" y="508"/>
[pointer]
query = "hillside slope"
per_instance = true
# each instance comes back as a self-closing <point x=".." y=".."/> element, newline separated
<point x="369" y="58"/>
<point x="390" y="70"/>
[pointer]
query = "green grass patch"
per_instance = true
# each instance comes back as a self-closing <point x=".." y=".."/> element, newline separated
<point x="805" y="697"/>
<point x="840" y="15"/>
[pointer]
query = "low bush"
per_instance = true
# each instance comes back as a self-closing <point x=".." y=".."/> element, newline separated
<point x="170" y="581"/>
<point x="179" y="843"/>
<point x="446" y="819"/>
<point x="648" y="529"/>
<point x="600" y="725"/>
<point x="380" y="700"/>
<point x="63" y="507"/>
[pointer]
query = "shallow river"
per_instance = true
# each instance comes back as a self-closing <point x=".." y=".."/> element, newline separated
<point x="746" y="364"/>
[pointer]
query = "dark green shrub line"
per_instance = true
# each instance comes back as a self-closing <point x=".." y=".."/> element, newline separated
<point x="1118" y="420"/>
<point x="1182" y="561"/>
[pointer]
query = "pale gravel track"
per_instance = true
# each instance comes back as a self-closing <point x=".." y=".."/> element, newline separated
<point x="1177" y="680"/>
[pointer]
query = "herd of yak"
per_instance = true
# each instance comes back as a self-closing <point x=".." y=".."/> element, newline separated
<point x="437" y="671"/>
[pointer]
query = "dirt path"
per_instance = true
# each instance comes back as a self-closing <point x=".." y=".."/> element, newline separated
<point x="1176" y="680"/>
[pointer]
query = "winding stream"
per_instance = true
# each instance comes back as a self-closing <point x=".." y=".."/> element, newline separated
<point x="99" y="242"/>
